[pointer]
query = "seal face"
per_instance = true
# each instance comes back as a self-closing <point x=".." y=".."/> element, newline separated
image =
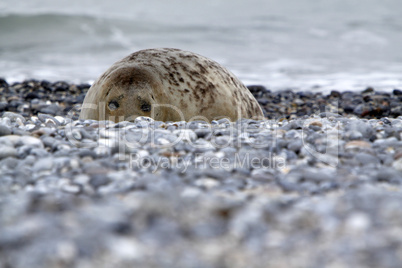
<point x="168" y="85"/>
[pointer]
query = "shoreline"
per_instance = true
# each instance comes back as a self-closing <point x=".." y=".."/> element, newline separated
<point x="284" y="104"/>
<point x="289" y="191"/>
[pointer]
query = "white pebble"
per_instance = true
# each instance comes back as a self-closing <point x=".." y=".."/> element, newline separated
<point x="185" y="134"/>
<point x="357" y="222"/>
<point x="60" y="119"/>
<point x="70" y="188"/>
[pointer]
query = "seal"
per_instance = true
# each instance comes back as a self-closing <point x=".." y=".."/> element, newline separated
<point x="168" y="84"/>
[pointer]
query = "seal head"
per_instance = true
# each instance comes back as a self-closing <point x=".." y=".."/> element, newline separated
<point x="168" y="85"/>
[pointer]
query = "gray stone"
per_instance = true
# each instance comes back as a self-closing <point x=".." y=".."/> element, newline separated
<point x="354" y="135"/>
<point x="39" y="152"/>
<point x="90" y="202"/>
<point x="52" y="109"/>
<point x="4" y="130"/>
<point x="44" y="164"/>
<point x="366" y="159"/>
<point x="48" y="141"/>
<point x="31" y="141"/>
<point x="7" y="151"/>
<point x="14" y="117"/>
<point x="10" y="163"/>
<point x="45" y="118"/>
<point x="71" y="188"/>
<point x="397" y="164"/>
<point x="295" y="145"/>
<point x="98" y="180"/>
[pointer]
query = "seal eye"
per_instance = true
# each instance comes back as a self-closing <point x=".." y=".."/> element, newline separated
<point x="145" y="107"/>
<point x="113" y="105"/>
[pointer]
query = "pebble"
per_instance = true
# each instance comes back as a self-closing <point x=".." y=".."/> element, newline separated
<point x="295" y="145"/>
<point x="207" y="183"/>
<point x="397" y="164"/>
<point x="366" y="159"/>
<point x="357" y="144"/>
<point x="98" y="180"/>
<point x="4" y="130"/>
<point x="225" y="194"/>
<point x="44" y="164"/>
<point x="7" y="151"/>
<point x="52" y="109"/>
<point x="14" y="117"/>
<point x="73" y="189"/>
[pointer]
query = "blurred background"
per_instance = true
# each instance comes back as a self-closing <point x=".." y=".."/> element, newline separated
<point x="299" y="44"/>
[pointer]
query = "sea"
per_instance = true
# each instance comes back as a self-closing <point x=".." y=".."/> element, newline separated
<point x="318" y="45"/>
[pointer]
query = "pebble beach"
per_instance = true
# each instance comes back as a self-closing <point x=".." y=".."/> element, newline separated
<point x="316" y="184"/>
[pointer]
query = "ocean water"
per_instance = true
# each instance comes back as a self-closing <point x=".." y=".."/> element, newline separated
<point x="299" y="44"/>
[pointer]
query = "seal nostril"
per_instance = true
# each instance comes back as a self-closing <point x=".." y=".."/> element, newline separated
<point x="113" y="105"/>
<point x="145" y="107"/>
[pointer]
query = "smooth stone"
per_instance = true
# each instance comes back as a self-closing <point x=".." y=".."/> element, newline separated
<point x="16" y="141"/>
<point x="3" y="106"/>
<point x="359" y="109"/>
<point x="81" y="179"/>
<point x="43" y="164"/>
<point x="228" y="151"/>
<point x="388" y="142"/>
<point x="48" y="141"/>
<point x="7" y="151"/>
<point x="222" y="141"/>
<point x="4" y="130"/>
<point x="397" y="164"/>
<point x="52" y="109"/>
<point x="31" y="141"/>
<point x="390" y="175"/>
<point x="185" y="134"/>
<point x="44" y="118"/>
<point x="107" y="133"/>
<point x="39" y="152"/>
<point x="5" y="121"/>
<point x="30" y="127"/>
<point x="295" y="124"/>
<point x="354" y="135"/>
<point x="357" y="222"/>
<point x="207" y="183"/>
<point x="357" y="144"/>
<point x="366" y="159"/>
<point x="329" y="114"/>
<point x="318" y="175"/>
<point x="142" y="119"/>
<point x="10" y="163"/>
<point x="397" y="123"/>
<point x="123" y="124"/>
<point x="14" y="116"/>
<point x="20" y="132"/>
<point x="61" y="120"/>
<point x="10" y="140"/>
<point x="24" y="151"/>
<point x="71" y="188"/>
<point x="197" y="125"/>
<point x="295" y="145"/>
<point x="397" y="92"/>
<point x="365" y="129"/>
<point x="76" y="134"/>
<point x="99" y="180"/>
<point x="102" y="151"/>
<point x="86" y="153"/>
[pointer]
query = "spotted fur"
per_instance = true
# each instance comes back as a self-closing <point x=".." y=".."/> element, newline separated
<point x="199" y="87"/>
